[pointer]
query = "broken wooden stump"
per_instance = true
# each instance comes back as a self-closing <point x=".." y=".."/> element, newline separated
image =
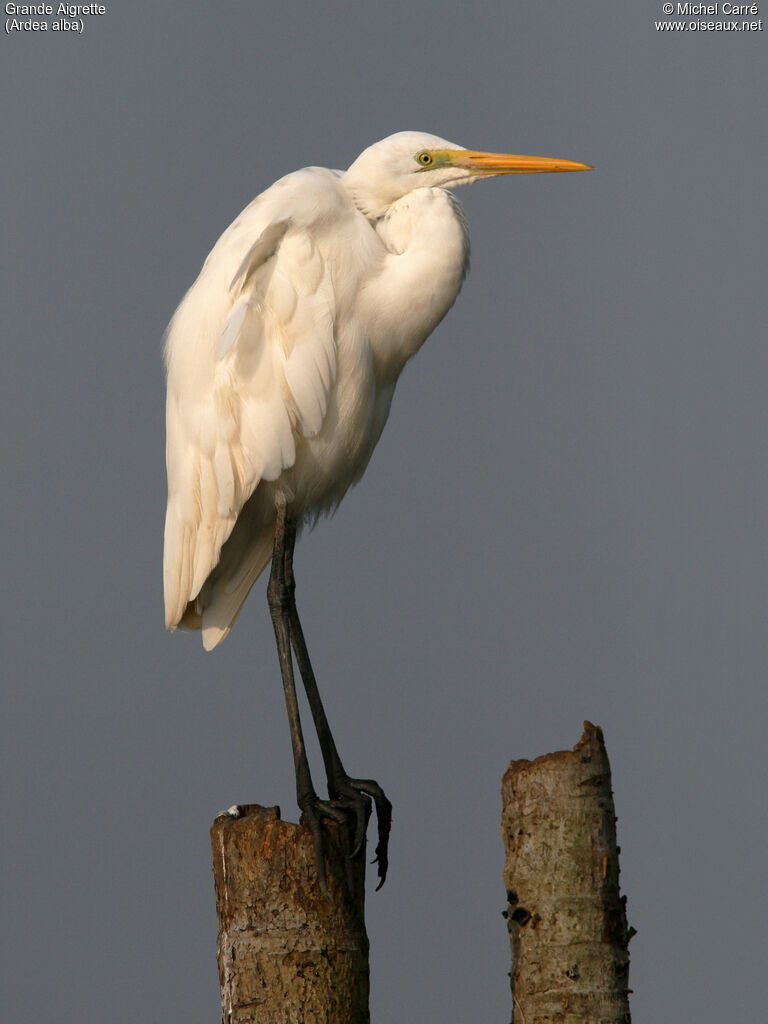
<point x="567" y="921"/>
<point x="286" y="953"/>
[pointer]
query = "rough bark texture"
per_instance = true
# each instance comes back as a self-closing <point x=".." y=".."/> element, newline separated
<point x="285" y="953"/>
<point x="567" y="921"/>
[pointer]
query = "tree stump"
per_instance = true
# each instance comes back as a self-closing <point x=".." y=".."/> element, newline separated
<point x="567" y="922"/>
<point x="286" y="954"/>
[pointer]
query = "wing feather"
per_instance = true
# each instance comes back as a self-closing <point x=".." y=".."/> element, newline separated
<point x="251" y="358"/>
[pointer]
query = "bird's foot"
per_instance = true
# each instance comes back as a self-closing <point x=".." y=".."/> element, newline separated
<point x="313" y="810"/>
<point x="350" y="803"/>
<point x="354" y="796"/>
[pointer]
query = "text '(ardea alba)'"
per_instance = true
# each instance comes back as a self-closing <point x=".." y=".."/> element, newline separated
<point x="282" y="361"/>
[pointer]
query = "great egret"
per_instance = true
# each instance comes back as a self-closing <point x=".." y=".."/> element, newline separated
<point x="282" y="359"/>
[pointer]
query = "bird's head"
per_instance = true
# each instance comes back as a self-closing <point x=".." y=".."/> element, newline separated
<point x="397" y="165"/>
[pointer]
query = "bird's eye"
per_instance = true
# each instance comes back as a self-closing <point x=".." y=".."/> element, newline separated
<point x="425" y="159"/>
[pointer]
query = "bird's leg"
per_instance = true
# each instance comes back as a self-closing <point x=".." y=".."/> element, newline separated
<point x="351" y="794"/>
<point x="280" y="597"/>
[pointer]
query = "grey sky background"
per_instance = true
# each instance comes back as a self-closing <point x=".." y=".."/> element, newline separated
<point x="566" y="517"/>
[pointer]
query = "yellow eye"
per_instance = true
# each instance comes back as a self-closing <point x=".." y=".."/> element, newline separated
<point x="425" y="159"/>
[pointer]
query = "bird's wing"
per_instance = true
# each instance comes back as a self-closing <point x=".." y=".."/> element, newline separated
<point x="251" y="358"/>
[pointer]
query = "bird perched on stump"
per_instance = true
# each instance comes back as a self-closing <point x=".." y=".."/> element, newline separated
<point x="282" y="360"/>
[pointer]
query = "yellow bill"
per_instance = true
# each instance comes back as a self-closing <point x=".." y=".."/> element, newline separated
<point x="487" y="164"/>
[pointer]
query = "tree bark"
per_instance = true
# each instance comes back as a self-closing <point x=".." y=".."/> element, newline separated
<point x="567" y="922"/>
<point x="286" y="954"/>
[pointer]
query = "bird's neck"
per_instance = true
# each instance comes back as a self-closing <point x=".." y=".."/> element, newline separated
<point x="372" y="196"/>
<point x="427" y="258"/>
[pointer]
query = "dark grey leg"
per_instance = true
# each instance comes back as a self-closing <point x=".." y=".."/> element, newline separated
<point x="351" y="794"/>
<point x="280" y="597"/>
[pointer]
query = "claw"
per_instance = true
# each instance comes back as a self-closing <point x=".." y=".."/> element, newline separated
<point x="358" y="793"/>
<point x="314" y="810"/>
<point x="362" y="808"/>
<point x="317" y="841"/>
<point x="359" y="840"/>
<point x="384" y="821"/>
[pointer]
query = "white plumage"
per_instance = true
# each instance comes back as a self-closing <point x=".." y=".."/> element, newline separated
<point x="283" y="356"/>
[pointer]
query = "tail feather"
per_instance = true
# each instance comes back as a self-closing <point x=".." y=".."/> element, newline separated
<point x="219" y="603"/>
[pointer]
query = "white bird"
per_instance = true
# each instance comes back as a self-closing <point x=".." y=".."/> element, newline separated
<point x="282" y="360"/>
